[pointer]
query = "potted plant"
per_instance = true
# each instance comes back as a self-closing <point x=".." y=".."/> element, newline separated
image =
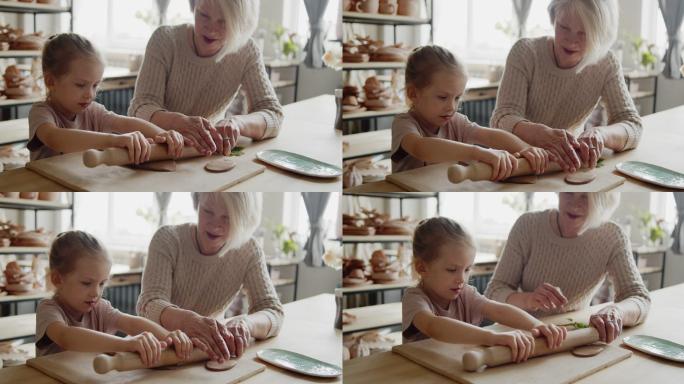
<point x="644" y="55"/>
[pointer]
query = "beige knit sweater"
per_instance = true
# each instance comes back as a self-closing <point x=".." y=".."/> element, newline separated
<point x="173" y="78"/>
<point x="535" y="254"/>
<point x="177" y="274"/>
<point x="534" y="89"/>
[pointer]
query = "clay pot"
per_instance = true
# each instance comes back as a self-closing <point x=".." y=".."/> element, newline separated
<point x="409" y="8"/>
<point x="11" y="195"/>
<point x="28" y="195"/>
<point x="388" y="7"/>
<point x="367" y="6"/>
<point x="347" y="5"/>
<point x="49" y="196"/>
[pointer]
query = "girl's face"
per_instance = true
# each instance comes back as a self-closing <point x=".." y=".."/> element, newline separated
<point x="82" y="288"/>
<point x="74" y="91"/>
<point x="212" y="225"/>
<point x="210" y="28"/>
<point x="570" y="42"/>
<point x="446" y="276"/>
<point x="438" y="102"/>
<point x="573" y="209"/>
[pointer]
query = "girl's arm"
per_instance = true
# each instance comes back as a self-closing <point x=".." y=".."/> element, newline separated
<point x="133" y="325"/>
<point x="450" y="330"/>
<point x="74" y="140"/>
<point x="124" y="124"/>
<point x="499" y="139"/>
<point x="85" y="340"/>
<point x="509" y="315"/>
<point x="436" y="150"/>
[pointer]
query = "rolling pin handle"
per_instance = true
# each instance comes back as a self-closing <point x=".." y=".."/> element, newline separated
<point x="103" y="363"/>
<point x="473" y="360"/>
<point x="91" y="158"/>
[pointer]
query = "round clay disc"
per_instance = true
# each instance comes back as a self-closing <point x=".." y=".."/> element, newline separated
<point x="578" y="178"/>
<point x="589" y="350"/>
<point x="214" y="365"/>
<point x="222" y="165"/>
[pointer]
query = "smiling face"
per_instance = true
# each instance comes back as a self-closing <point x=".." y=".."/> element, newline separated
<point x="445" y="277"/>
<point x="82" y="288"/>
<point x="210" y="28"/>
<point x="212" y="225"/>
<point x="74" y="91"/>
<point x="573" y="211"/>
<point x="437" y="102"/>
<point x="570" y="41"/>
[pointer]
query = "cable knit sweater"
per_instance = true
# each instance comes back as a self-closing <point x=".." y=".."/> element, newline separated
<point x="177" y="274"/>
<point x="534" y="89"/>
<point x="173" y="78"/>
<point x="535" y="254"/>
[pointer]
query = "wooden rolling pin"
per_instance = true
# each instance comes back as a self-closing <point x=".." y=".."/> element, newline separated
<point x="119" y="156"/>
<point x="482" y="171"/>
<point x="128" y="361"/>
<point x="499" y="355"/>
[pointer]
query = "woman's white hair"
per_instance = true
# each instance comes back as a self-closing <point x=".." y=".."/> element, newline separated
<point x="244" y="213"/>
<point x="600" y="21"/>
<point x="602" y="205"/>
<point x="242" y="18"/>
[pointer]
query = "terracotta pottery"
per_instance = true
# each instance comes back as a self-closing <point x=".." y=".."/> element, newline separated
<point x="28" y="195"/>
<point x="49" y="196"/>
<point x="367" y="6"/>
<point x="388" y="7"/>
<point x="409" y="8"/>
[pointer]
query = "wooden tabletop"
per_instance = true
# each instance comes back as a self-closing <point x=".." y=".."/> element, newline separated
<point x="15" y="327"/>
<point x="661" y="144"/>
<point x="308" y="129"/>
<point x="367" y="143"/>
<point x="374" y="316"/>
<point x="308" y="329"/>
<point x="667" y="309"/>
<point x="13" y="131"/>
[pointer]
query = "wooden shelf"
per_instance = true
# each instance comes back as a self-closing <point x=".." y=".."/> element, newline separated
<point x="377" y="287"/>
<point x="648" y="270"/>
<point x="282" y="282"/>
<point x="16" y="327"/>
<point x="646" y="249"/>
<point x="373" y="317"/>
<point x="379" y="18"/>
<point x="373" y="65"/>
<point x="23" y="250"/>
<point x="19" y="53"/>
<point x="26" y="297"/>
<point x="403" y="195"/>
<point x="377" y="239"/>
<point x="284" y="262"/>
<point x="366" y="144"/>
<point x="17" y="7"/>
<point x="6" y="202"/>
<point x="14" y="131"/>
<point x="642" y="94"/>
<point x="26" y="101"/>
<point x="373" y="114"/>
<point x="283" y="83"/>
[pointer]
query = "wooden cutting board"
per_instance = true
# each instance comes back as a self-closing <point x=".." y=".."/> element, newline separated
<point x="563" y="367"/>
<point x="77" y="368"/>
<point x="190" y="175"/>
<point x="433" y="178"/>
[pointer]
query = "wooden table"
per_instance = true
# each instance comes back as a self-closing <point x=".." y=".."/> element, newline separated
<point x="308" y="129"/>
<point x="367" y="144"/>
<point x="662" y="144"/>
<point x="374" y="316"/>
<point x="308" y="329"/>
<point x="663" y="321"/>
<point x="17" y="327"/>
<point x="13" y="131"/>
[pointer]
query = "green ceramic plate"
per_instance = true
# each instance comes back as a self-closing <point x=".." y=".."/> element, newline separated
<point x="298" y="363"/>
<point x="656" y="347"/>
<point x="298" y="164"/>
<point x="652" y="174"/>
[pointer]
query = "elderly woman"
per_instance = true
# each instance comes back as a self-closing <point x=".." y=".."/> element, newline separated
<point x="551" y="85"/>
<point x="191" y="73"/>
<point x="555" y="260"/>
<point x="194" y="271"/>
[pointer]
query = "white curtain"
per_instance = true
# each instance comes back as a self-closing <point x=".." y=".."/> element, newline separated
<point x="162" y="199"/>
<point x="678" y="233"/>
<point x="673" y="13"/>
<point x="314" y="47"/>
<point x="162" y="6"/>
<point x="522" y="12"/>
<point x="315" y="203"/>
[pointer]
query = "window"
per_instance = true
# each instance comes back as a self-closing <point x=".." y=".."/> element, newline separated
<point x="297" y="219"/>
<point x="180" y="209"/>
<point x="297" y="20"/>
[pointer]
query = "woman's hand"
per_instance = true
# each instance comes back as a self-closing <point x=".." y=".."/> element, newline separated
<point x="147" y="346"/>
<point x="200" y="133"/>
<point x="181" y="342"/>
<point x="137" y="144"/>
<point x="537" y="157"/>
<point x="208" y="335"/>
<point x="229" y="131"/>
<point x="591" y="144"/>
<point x="546" y="297"/>
<point x="239" y="329"/>
<point x="520" y="342"/>
<point x="554" y="334"/>
<point x="559" y="142"/>
<point x="503" y="162"/>
<point x="174" y="140"/>
<point x="608" y="323"/>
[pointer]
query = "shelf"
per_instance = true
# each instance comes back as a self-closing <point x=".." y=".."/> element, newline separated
<point x="284" y="262"/>
<point x="23" y="250"/>
<point x="282" y="282"/>
<point x="402" y="195"/>
<point x="26" y="101"/>
<point x="281" y="64"/>
<point x="14" y="203"/>
<point x="8" y="54"/>
<point x="17" y="7"/>
<point x="14" y="131"/>
<point x="378" y="18"/>
<point x="373" y="65"/>
<point x="649" y="270"/>
<point x="377" y="239"/>
<point x="283" y="83"/>
<point x="645" y="249"/>
<point x="377" y="287"/>
<point x="17" y="327"/>
<point x="25" y="297"/>
<point x="366" y="144"/>
<point x="373" y="317"/>
<point x="642" y="95"/>
<point x="373" y="114"/>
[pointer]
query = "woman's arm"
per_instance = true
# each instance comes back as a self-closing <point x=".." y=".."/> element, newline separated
<point x="265" y="311"/>
<point x="509" y="270"/>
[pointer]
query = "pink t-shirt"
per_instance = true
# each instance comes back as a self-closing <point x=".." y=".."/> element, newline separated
<point x="95" y="118"/>
<point x="102" y="318"/>
<point x="459" y="128"/>
<point x="467" y="307"/>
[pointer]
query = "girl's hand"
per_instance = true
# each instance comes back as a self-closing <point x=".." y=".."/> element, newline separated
<point x="137" y="144"/>
<point x="608" y="323"/>
<point x="546" y="297"/>
<point x="174" y="140"/>
<point x="229" y="131"/>
<point x="147" y="346"/>
<point x="503" y="163"/>
<point x="520" y="342"/>
<point x="199" y="132"/>
<point x="591" y="144"/>
<point x="181" y="342"/>
<point x="537" y="157"/>
<point x="554" y="334"/>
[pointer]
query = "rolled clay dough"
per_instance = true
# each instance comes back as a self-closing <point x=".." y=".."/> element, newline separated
<point x="589" y="350"/>
<point x="528" y="179"/>
<point x="214" y="365"/>
<point x="578" y="178"/>
<point x="159" y="166"/>
<point x="222" y="165"/>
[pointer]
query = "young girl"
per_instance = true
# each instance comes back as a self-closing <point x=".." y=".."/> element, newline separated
<point x="77" y="318"/>
<point x="71" y="121"/>
<point x="444" y="307"/>
<point x="433" y="131"/>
